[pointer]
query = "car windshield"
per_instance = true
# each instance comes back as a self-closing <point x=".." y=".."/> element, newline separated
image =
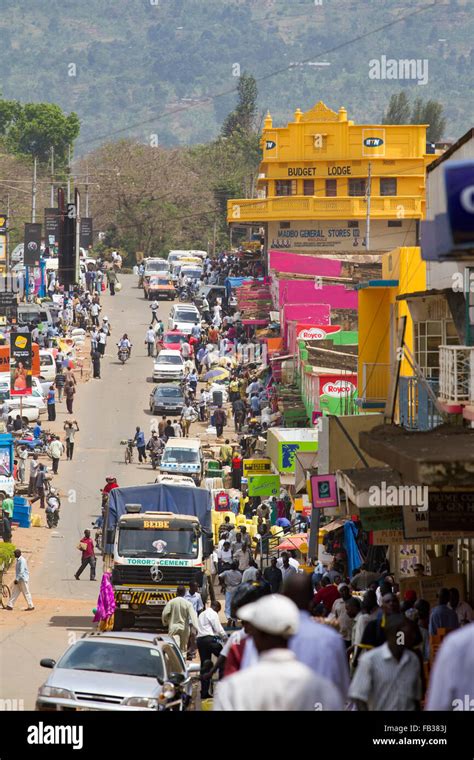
<point x="169" y="359"/>
<point x="194" y="273"/>
<point x="168" y="392"/>
<point x="156" y="266"/>
<point x="180" y="456"/>
<point x="149" y="542"/>
<point x="106" y="657"/>
<point x="185" y="316"/>
<point x="170" y="338"/>
<point x="162" y="281"/>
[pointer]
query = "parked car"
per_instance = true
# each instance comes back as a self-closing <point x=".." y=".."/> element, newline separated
<point x="117" y="671"/>
<point x="168" y="365"/>
<point x="159" y="286"/>
<point x="183" y="456"/>
<point x="47" y="365"/>
<point x="166" y="399"/>
<point x="31" y="313"/>
<point x="182" y="317"/>
<point x="212" y="293"/>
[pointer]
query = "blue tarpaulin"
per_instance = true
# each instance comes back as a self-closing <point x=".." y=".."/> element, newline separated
<point x="236" y="282"/>
<point x="354" y="557"/>
<point x="157" y="497"/>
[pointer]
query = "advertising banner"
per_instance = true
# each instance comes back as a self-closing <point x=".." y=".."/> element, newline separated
<point x="324" y="491"/>
<point x="32" y="241"/>
<point x="20" y="364"/>
<point x="264" y="485"/>
<point x="257" y="467"/>
<point x="51" y="226"/>
<point x="85" y="235"/>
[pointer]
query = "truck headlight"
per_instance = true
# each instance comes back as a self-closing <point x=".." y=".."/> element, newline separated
<point x="54" y="691"/>
<point x="146" y="703"/>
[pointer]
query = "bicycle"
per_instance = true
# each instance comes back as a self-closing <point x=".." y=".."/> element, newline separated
<point x="6" y="593"/>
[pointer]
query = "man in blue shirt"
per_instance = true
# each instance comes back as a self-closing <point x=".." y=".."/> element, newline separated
<point x="22" y="577"/>
<point x="255" y="404"/>
<point x="37" y="430"/>
<point x="139" y="440"/>
<point x="442" y="616"/>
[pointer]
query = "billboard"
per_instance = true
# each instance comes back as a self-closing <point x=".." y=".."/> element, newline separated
<point x="32" y="241"/>
<point x="20" y="363"/>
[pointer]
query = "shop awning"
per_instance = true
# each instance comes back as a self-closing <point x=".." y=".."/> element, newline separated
<point x="333" y="525"/>
<point x="293" y="542"/>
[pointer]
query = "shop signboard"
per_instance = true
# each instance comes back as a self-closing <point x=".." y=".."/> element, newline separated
<point x="287" y="453"/>
<point x="451" y="511"/>
<point x="324" y="491"/>
<point x="381" y="518"/>
<point x="257" y="466"/>
<point x="264" y="485"/>
<point x="415" y="522"/>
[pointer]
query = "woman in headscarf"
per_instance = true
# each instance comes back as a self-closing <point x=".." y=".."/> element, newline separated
<point x="105" y="604"/>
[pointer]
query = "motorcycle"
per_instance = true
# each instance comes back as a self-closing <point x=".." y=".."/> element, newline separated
<point x="97" y="534"/>
<point x="155" y="457"/>
<point x="123" y="354"/>
<point x="53" y="505"/>
<point x="185" y="294"/>
<point x="174" y="695"/>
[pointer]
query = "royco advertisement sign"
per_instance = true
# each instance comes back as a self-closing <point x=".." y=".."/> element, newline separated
<point x="257" y="467"/>
<point x="311" y="332"/>
<point x="264" y="485"/>
<point x="338" y="388"/>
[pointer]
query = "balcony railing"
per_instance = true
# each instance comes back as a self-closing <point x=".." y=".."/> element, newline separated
<point x="456" y="374"/>
<point x="417" y="410"/>
<point x="309" y="207"/>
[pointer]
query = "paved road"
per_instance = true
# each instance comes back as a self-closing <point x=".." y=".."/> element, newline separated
<point x="107" y="411"/>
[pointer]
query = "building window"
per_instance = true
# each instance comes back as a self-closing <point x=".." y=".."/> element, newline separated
<point x="394" y="223"/>
<point x="388" y="186"/>
<point x="285" y="187"/>
<point x="353" y="225"/>
<point x="308" y="187"/>
<point x="285" y="225"/>
<point x="357" y="187"/>
<point x="331" y="188"/>
<point x="429" y="336"/>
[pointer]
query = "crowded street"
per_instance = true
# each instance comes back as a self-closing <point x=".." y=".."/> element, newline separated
<point x="236" y="375"/>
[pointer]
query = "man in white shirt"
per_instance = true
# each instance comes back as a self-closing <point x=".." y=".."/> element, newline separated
<point x="388" y="677"/>
<point x="22" y="577"/>
<point x="194" y="597"/>
<point x="210" y="636"/>
<point x="277" y="681"/>
<point x="292" y="561"/>
<point x="462" y="609"/>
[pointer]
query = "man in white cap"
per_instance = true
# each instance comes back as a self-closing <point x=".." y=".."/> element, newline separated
<point x="277" y="681"/>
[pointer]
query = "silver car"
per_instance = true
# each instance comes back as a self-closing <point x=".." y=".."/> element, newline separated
<point x="117" y="671"/>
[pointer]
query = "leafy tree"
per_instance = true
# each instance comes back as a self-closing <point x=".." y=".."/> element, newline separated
<point x="433" y="115"/>
<point x="398" y="111"/>
<point x="33" y="128"/>
<point x="243" y="117"/>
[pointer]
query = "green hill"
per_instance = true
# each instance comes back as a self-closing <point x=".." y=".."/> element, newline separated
<point x="168" y="67"/>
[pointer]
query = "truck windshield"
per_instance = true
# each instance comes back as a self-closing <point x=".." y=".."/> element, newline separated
<point x="181" y="456"/>
<point x="138" y="542"/>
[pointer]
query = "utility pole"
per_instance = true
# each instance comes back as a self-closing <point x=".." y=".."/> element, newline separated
<point x="214" y="238"/>
<point x="87" y="193"/>
<point x="69" y="175"/>
<point x="52" y="176"/>
<point x="368" y="193"/>
<point x="33" y="194"/>
<point x="7" y="234"/>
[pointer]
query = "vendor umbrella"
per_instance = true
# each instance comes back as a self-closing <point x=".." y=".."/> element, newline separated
<point x="217" y="374"/>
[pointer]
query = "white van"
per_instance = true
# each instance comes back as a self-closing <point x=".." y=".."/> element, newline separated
<point x="47" y="365"/>
<point x="183" y="456"/>
<point x="182" y="317"/>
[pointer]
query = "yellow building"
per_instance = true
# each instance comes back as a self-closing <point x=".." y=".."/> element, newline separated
<point x="314" y="182"/>
<point x="403" y="271"/>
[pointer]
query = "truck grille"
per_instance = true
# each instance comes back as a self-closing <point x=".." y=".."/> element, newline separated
<point x="136" y="574"/>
